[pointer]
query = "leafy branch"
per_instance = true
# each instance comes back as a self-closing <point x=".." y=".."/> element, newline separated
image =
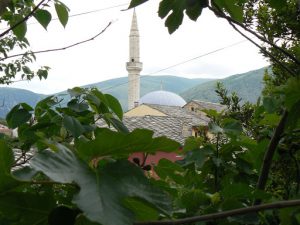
<point x="62" y="48"/>
<point x="24" y="19"/>
<point x="225" y="214"/>
<point x="233" y="23"/>
<point x="220" y="13"/>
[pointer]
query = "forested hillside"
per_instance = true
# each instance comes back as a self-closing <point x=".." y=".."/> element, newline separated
<point x="248" y="86"/>
<point x="117" y="87"/>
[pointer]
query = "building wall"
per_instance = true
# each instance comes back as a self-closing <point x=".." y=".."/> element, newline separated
<point x="143" y="110"/>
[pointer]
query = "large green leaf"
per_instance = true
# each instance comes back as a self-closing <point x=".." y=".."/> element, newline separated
<point x="26" y="208"/>
<point x="43" y="17"/>
<point x="21" y="29"/>
<point x="73" y="125"/>
<point x="103" y="191"/>
<point x="167" y="169"/>
<point x="232" y="7"/>
<point x="6" y="161"/>
<point x="278" y="4"/>
<point x="18" y="115"/>
<point x="115" y="105"/>
<point x="110" y="143"/>
<point x="292" y="92"/>
<point x="62" y="13"/>
<point x="194" y="9"/>
<point x="232" y="126"/>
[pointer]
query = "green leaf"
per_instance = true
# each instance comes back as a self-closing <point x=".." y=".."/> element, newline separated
<point x="6" y="161"/>
<point x="232" y="126"/>
<point x="165" y="7"/>
<point x="62" y="13"/>
<point x="174" y="21"/>
<point x="270" y="104"/>
<point x="232" y="7"/>
<point x="278" y="4"/>
<point x="43" y="17"/>
<point x="167" y="169"/>
<point x="214" y="128"/>
<point x="115" y="105"/>
<point x="76" y="91"/>
<point x="102" y="191"/>
<point x="142" y="210"/>
<point x="26" y="208"/>
<point x="6" y="158"/>
<point x="194" y="10"/>
<point x="194" y="199"/>
<point x="292" y="92"/>
<point x="135" y="3"/>
<point x="18" y="115"/>
<point x="110" y="143"/>
<point x="73" y="125"/>
<point x="77" y="107"/>
<point x="192" y="143"/>
<point x="270" y="119"/>
<point x="119" y="125"/>
<point x="198" y="156"/>
<point x="237" y="190"/>
<point x="21" y="29"/>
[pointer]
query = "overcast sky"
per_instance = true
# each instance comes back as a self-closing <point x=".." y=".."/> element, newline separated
<point x="105" y="57"/>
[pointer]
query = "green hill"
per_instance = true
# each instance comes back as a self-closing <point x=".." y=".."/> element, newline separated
<point x="248" y="86"/>
<point x="117" y="87"/>
<point x="9" y="97"/>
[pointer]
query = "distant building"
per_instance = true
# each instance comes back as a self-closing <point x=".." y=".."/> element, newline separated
<point x="164" y="112"/>
<point x="5" y="130"/>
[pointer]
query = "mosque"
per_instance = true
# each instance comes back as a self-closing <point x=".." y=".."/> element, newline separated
<point x="166" y="113"/>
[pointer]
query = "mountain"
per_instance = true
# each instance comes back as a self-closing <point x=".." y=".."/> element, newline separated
<point x="9" y="97"/>
<point x="117" y="87"/>
<point x="248" y="86"/>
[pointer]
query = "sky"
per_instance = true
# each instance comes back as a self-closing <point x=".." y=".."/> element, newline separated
<point x="105" y="57"/>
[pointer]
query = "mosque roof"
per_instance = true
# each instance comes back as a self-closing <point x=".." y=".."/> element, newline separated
<point x="162" y="98"/>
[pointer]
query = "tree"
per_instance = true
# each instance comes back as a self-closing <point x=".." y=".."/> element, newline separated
<point x="79" y="173"/>
<point x="14" y="16"/>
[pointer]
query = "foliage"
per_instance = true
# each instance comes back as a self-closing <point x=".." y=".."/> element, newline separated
<point x="14" y="16"/>
<point x="71" y="171"/>
<point x="79" y="160"/>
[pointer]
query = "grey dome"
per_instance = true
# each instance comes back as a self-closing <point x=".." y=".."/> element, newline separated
<point x="162" y="98"/>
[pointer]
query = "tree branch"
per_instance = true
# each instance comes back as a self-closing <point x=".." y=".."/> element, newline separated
<point x="264" y="173"/>
<point x="220" y="13"/>
<point x="24" y="19"/>
<point x="264" y="50"/>
<point x="60" y="49"/>
<point x="225" y="214"/>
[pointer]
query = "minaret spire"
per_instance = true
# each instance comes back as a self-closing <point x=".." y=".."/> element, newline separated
<point x="134" y="66"/>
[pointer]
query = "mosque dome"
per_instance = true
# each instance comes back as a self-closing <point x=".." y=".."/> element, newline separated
<point x="162" y="98"/>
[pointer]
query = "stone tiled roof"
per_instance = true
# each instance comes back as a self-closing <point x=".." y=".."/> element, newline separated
<point x="209" y="105"/>
<point x="177" y="124"/>
<point x="170" y="127"/>
<point x="176" y="111"/>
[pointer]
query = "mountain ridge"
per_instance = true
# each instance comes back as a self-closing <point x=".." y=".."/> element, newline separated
<point x="247" y="85"/>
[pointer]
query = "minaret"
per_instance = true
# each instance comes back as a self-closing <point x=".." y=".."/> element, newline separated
<point x="134" y="66"/>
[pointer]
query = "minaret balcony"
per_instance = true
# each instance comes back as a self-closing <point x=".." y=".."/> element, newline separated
<point x="134" y="65"/>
